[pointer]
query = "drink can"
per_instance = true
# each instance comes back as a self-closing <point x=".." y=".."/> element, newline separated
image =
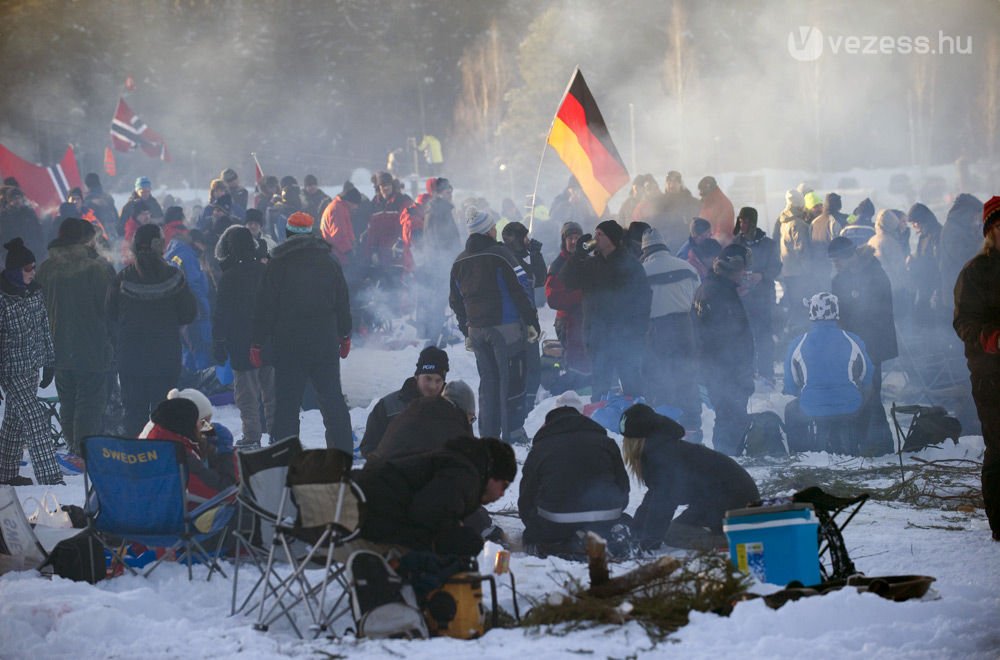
<point x="501" y="564"/>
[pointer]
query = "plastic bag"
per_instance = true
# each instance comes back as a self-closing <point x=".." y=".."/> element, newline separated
<point x="47" y="512"/>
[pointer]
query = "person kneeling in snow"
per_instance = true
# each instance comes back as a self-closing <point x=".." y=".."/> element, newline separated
<point x="678" y="473"/>
<point x="573" y="481"/>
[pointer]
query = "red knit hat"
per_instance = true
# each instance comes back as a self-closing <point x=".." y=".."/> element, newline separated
<point x="991" y="213"/>
<point x="299" y="223"/>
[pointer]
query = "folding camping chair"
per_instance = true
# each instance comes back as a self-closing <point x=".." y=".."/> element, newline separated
<point x="328" y="509"/>
<point x="263" y="473"/>
<point x="834" y="561"/>
<point x="51" y="405"/>
<point x="136" y="491"/>
<point x="929" y="425"/>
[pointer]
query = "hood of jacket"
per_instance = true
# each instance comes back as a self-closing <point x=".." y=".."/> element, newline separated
<point x="299" y="243"/>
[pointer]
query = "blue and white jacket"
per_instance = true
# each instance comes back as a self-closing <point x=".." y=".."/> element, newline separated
<point x="829" y="370"/>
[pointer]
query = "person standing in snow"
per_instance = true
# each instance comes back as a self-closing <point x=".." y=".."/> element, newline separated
<point x="568" y="304"/>
<point x="182" y="253"/>
<point x="758" y="290"/>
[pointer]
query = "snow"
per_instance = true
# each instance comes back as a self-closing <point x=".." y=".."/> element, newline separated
<point x="166" y="616"/>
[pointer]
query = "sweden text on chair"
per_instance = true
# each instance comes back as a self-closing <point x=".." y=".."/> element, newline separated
<point x="136" y="491"/>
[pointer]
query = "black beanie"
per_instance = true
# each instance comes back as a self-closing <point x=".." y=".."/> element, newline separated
<point x="71" y="230"/>
<point x="432" y="360"/>
<point x="18" y="254"/>
<point x="144" y="237"/>
<point x="352" y="194"/>
<point x="177" y="415"/>
<point x="173" y="213"/>
<point x="840" y="248"/>
<point x="502" y="465"/>
<point x="613" y="231"/>
<point x="254" y="215"/>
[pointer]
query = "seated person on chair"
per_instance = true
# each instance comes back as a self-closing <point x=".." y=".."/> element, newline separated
<point x="678" y="473"/>
<point x="420" y="502"/>
<point x="573" y="480"/>
<point x="428" y="381"/>
<point x="209" y="456"/>
<point x="427" y="423"/>
<point x="830" y="373"/>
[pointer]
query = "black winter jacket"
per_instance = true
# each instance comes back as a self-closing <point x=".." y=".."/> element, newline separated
<point x="616" y="295"/>
<point x="412" y="500"/>
<point x="977" y="310"/>
<point x="488" y="287"/>
<point x="302" y="308"/>
<point x="232" y="320"/>
<point x="385" y="410"/>
<point x="426" y="425"/>
<point x="865" y="296"/>
<point x="765" y="259"/>
<point x="722" y="331"/>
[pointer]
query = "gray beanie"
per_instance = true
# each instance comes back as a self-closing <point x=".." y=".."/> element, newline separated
<point x="459" y="393"/>
<point x="480" y="223"/>
<point x="650" y="238"/>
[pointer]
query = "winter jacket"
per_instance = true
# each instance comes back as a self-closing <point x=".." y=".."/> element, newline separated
<point x="425" y="425"/>
<point x="766" y="261"/>
<point x="22" y="222"/>
<point x="718" y="210"/>
<point x="240" y="198"/>
<point x="568" y="304"/>
<point x="793" y="241"/>
<point x="888" y="249"/>
<point x="315" y="203"/>
<point x="232" y="319"/>
<point x="573" y="476"/>
<point x="75" y="282"/>
<point x="865" y="295"/>
<point x="441" y="238"/>
<point x="207" y="475"/>
<point x="616" y="296"/>
<point x="103" y="206"/>
<point x="147" y="304"/>
<point x="387" y="408"/>
<point x="678" y="473"/>
<point x="925" y="264"/>
<point x="827" y="226"/>
<point x="961" y="238"/>
<point x="977" y="310"/>
<point x="488" y="287"/>
<point x="276" y="218"/>
<point x="337" y="230"/>
<point x="673" y="282"/>
<point x="412" y="500"/>
<point x="197" y="336"/>
<point x="533" y="264"/>
<point x="672" y="216"/>
<point x="383" y="225"/>
<point x="303" y="308"/>
<point x="25" y="339"/>
<point x="722" y="332"/>
<point x="411" y="225"/>
<point x="829" y="370"/>
<point x="155" y="212"/>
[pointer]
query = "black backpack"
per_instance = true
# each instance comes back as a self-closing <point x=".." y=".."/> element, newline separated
<point x="765" y="435"/>
<point x="79" y="558"/>
<point x="931" y="426"/>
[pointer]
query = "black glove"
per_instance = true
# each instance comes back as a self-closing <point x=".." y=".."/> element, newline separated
<point x="534" y="245"/>
<point x="581" y="250"/>
<point x="219" y="352"/>
<point x="48" y="373"/>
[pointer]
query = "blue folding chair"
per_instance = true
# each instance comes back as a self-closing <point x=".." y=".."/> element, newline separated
<point x="137" y="492"/>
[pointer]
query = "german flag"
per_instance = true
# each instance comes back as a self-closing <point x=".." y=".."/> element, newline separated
<point x="580" y="137"/>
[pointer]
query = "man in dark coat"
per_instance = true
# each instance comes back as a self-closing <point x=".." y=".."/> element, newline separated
<point x="427" y="423"/>
<point x="925" y="265"/>
<point x="490" y="298"/>
<point x="101" y="202"/>
<point x="758" y="288"/>
<point x="18" y="220"/>
<point x="427" y="381"/>
<point x="865" y="295"/>
<point x="977" y="322"/>
<point x="232" y="323"/>
<point x="678" y="473"/>
<point x="313" y="197"/>
<point x="419" y="502"/>
<point x="303" y="314"/>
<point x="238" y="195"/>
<point x="960" y="241"/>
<point x="143" y="192"/>
<point x="725" y="348"/>
<point x="616" y="303"/>
<point x="75" y="281"/>
<point x="573" y="480"/>
<point x="148" y="303"/>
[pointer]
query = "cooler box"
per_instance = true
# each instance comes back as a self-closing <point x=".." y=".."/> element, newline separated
<point x="775" y="544"/>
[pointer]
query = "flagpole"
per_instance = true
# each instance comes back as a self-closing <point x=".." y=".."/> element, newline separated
<point x="538" y="174"/>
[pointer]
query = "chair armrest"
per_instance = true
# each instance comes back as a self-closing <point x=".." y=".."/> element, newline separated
<point x="215" y="501"/>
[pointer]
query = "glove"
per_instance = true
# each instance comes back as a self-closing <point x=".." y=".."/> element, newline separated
<point x="990" y="341"/>
<point x="219" y="352"/>
<point x="345" y="347"/>
<point x="532" y="334"/>
<point x="256" y="359"/>
<point x="581" y="250"/>
<point x="48" y="373"/>
<point x="468" y="344"/>
<point x="534" y="246"/>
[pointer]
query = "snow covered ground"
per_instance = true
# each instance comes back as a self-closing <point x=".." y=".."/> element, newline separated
<point x="166" y="616"/>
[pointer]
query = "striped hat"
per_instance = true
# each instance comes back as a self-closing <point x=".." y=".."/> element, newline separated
<point x="480" y="223"/>
<point x="299" y="223"/>
<point x="991" y="213"/>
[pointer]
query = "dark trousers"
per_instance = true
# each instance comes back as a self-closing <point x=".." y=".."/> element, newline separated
<point x="82" y="397"/>
<point x="836" y="434"/>
<point x="761" y="317"/>
<point x="613" y="360"/>
<point x="290" y="378"/>
<point x="500" y="361"/>
<point x="142" y="390"/>
<point x="670" y="370"/>
<point x="986" y="393"/>
<point x="729" y="400"/>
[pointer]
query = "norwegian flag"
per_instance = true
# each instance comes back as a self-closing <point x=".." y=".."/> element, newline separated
<point x="128" y="133"/>
<point x="47" y="187"/>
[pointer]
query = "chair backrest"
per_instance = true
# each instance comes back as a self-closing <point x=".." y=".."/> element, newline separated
<point x="19" y="547"/>
<point x="263" y="473"/>
<point x="135" y="486"/>
<point x="320" y="481"/>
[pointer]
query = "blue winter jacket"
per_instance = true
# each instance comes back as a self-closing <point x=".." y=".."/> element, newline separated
<point x="197" y="342"/>
<point x="829" y="370"/>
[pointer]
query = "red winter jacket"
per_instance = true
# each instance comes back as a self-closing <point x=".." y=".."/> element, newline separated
<point x="568" y="304"/>
<point x="337" y="229"/>
<point x="206" y="477"/>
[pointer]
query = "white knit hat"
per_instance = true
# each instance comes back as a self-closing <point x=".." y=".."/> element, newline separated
<point x="480" y="223"/>
<point x="196" y="397"/>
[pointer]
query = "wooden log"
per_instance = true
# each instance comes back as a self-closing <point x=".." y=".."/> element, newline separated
<point x="597" y="559"/>
<point x="634" y="579"/>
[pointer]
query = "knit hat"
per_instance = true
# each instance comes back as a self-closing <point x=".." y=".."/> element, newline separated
<point x="991" y="213"/>
<point x="143" y="182"/>
<point x="823" y="306"/>
<point x="18" y="255"/>
<point x="459" y="393"/>
<point x="700" y="226"/>
<point x="144" y="238"/>
<point x="811" y="200"/>
<point x="514" y="230"/>
<point x="71" y="230"/>
<point x="177" y="415"/>
<point x="299" y="222"/>
<point x="254" y="215"/>
<point x="173" y="213"/>
<point x="502" y="465"/>
<point x="650" y="238"/>
<point x="840" y="248"/>
<point x="350" y="194"/>
<point x="793" y="199"/>
<point x="638" y="421"/>
<point x="479" y="223"/>
<point x="432" y="360"/>
<point x="612" y="230"/>
<point x="570" y="228"/>
<point x="194" y="396"/>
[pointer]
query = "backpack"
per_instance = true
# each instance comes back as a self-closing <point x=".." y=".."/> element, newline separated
<point x="79" y="558"/>
<point x="932" y="426"/>
<point x="382" y="605"/>
<point x="765" y="435"/>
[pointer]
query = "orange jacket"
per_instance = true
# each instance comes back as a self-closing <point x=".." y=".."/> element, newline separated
<point x="337" y="229"/>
